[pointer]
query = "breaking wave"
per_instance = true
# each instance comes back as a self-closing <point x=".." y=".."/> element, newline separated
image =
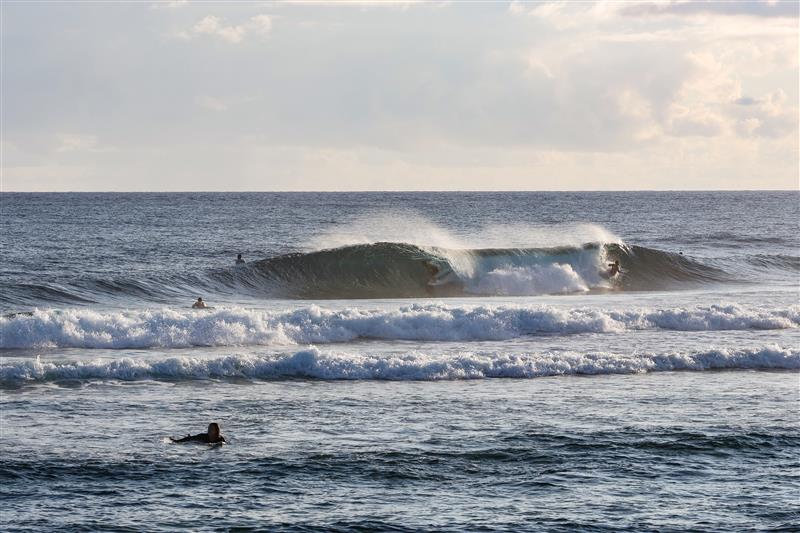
<point x="313" y="363"/>
<point x="169" y="328"/>
<point x="397" y="270"/>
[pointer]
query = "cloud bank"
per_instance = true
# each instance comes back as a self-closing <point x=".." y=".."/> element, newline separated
<point x="601" y="95"/>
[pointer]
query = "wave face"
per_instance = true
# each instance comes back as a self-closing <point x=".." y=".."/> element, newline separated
<point x="399" y="270"/>
<point x="167" y="328"/>
<point x="313" y="363"/>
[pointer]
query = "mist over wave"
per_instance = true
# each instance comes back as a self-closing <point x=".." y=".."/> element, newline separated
<point x="316" y="364"/>
<point x="170" y="328"/>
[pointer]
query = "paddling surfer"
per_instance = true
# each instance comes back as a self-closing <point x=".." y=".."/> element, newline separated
<point x="212" y="436"/>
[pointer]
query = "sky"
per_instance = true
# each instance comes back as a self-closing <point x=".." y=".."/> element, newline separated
<point x="277" y="96"/>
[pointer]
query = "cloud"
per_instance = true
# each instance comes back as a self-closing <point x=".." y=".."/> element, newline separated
<point x="570" y="95"/>
<point x="213" y="25"/>
<point x="767" y="116"/>
<point x="784" y="9"/>
<point x="169" y="4"/>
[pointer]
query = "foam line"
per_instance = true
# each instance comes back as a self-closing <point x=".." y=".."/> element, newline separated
<point x="168" y="328"/>
<point x="316" y="364"/>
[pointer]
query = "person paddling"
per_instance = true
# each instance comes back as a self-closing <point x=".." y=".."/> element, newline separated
<point x="213" y="436"/>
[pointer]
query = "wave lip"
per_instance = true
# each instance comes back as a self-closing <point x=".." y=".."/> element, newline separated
<point x="413" y="366"/>
<point x="168" y="328"/>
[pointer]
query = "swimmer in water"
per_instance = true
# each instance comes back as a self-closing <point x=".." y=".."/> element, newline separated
<point x="239" y="260"/>
<point x="213" y="436"/>
<point x="199" y="304"/>
<point x="613" y="269"/>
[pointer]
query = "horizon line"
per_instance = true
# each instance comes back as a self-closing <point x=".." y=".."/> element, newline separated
<point x="311" y="191"/>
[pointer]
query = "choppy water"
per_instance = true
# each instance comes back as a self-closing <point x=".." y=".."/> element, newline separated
<point x="414" y="361"/>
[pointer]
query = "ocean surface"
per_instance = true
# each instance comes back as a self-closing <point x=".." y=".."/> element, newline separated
<point x="401" y="361"/>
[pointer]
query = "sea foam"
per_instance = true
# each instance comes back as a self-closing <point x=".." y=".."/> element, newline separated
<point x="169" y="328"/>
<point x="317" y="364"/>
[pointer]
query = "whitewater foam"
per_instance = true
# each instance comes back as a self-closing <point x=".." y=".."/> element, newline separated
<point x="316" y="364"/>
<point x="169" y="328"/>
<point x="538" y="279"/>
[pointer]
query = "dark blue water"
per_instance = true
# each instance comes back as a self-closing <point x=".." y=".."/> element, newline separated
<point x="400" y="361"/>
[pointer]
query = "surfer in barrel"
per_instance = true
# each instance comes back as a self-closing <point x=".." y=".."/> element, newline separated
<point x="433" y="271"/>
<point x="212" y="436"/>
<point x="613" y="269"/>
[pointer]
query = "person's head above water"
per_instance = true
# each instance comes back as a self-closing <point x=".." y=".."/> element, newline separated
<point x="239" y="256"/>
<point x="199" y="299"/>
<point x="213" y="431"/>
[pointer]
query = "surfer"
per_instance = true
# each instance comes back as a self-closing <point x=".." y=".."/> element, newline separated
<point x="239" y="260"/>
<point x="439" y="275"/>
<point x="213" y="436"/>
<point x="432" y="269"/>
<point x="613" y="268"/>
<point x="199" y="304"/>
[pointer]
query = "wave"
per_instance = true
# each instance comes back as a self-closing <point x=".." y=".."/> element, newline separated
<point x="313" y="363"/>
<point x="789" y="263"/>
<point x="397" y="270"/>
<point x="402" y="270"/>
<point x="169" y="328"/>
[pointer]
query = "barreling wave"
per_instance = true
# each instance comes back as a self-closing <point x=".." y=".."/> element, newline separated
<point x="401" y="270"/>
<point x="169" y="328"/>
<point x="398" y="270"/>
<point x="315" y="364"/>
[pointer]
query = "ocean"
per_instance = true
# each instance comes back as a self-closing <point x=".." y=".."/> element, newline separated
<point x="401" y="361"/>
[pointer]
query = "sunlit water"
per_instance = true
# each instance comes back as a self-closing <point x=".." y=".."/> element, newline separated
<point x="516" y="389"/>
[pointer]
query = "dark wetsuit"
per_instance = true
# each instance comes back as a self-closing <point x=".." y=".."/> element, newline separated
<point x="200" y="437"/>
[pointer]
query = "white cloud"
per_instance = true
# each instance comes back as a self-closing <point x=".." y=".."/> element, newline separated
<point x="261" y="23"/>
<point x="169" y="4"/>
<point x="213" y="25"/>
